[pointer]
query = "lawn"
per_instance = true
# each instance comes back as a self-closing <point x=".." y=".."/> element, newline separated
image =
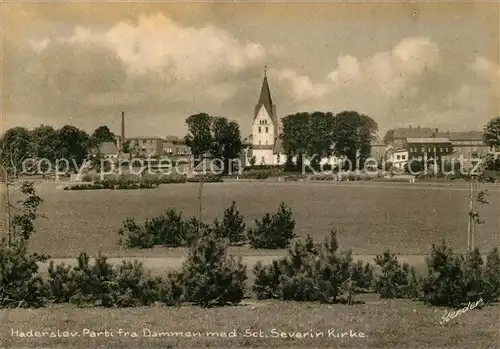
<point x="370" y="218"/>
<point x="383" y="324"/>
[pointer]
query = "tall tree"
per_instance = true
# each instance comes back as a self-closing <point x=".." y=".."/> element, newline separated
<point x="354" y="134"/>
<point x="308" y="134"/>
<point x="319" y="136"/>
<point x="295" y="134"/>
<point x="492" y="133"/>
<point x="226" y="140"/>
<point x="45" y="142"/>
<point x="74" y="144"/>
<point x="102" y="134"/>
<point x="16" y="146"/>
<point x="199" y="137"/>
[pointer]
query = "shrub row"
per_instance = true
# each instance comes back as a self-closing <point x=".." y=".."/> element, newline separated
<point x="313" y="272"/>
<point x="208" y="277"/>
<point x="172" y="230"/>
<point x="99" y="185"/>
<point x="128" y="179"/>
<point x="317" y="272"/>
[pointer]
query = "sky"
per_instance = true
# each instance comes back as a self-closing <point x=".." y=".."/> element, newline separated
<point x="427" y="64"/>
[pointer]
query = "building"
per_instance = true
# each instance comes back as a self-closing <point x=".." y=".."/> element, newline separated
<point x="108" y="150"/>
<point x="398" y="157"/>
<point x="397" y="137"/>
<point x="428" y="148"/>
<point x="469" y="146"/>
<point x="264" y="144"/>
<point x="175" y="146"/>
<point x="145" y="146"/>
<point x="378" y="149"/>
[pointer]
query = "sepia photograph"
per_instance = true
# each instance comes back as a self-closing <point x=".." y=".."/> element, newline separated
<point x="250" y="174"/>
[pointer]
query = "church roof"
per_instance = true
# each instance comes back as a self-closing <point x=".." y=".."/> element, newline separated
<point x="265" y="97"/>
<point x="266" y="101"/>
<point x="278" y="146"/>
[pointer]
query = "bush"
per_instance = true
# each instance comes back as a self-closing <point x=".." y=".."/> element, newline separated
<point x="171" y="179"/>
<point x="136" y="236"/>
<point x="136" y="286"/>
<point x="396" y="280"/>
<point x="101" y="284"/>
<point x="20" y="285"/>
<point x="207" y="178"/>
<point x="168" y="229"/>
<point x="262" y="175"/>
<point x="473" y="276"/>
<point x="211" y="277"/>
<point x="491" y="290"/>
<point x="445" y="282"/>
<point x="232" y="226"/>
<point x="313" y="272"/>
<point x="274" y="231"/>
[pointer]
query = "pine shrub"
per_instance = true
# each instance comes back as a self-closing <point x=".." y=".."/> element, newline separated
<point x="20" y="284"/>
<point x="491" y="290"/>
<point x="135" y="285"/>
<point x="232" y="226"/>
<point x="273" y="232"/>
<point x="313" y="272"/>
<point x="94" y="284"/>
<point x="136" y="235"/>
<point x="168" y="229"/>
<point x="396" y="280"/>
<point x="473" y="276"/>
<point x="445" y="282"/>
<point x="210" y="277"/>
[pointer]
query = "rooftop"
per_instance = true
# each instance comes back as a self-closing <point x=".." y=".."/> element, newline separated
<point x="413" y="132"/>
<point x="463" y="136"/>
<point x="428" y="140"/>
<point x="108" y="148"/>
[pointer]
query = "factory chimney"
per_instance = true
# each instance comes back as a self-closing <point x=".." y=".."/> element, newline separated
<point x="122" y="135"/>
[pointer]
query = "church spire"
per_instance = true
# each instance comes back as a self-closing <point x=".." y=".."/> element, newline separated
<point x="265" y="95"/>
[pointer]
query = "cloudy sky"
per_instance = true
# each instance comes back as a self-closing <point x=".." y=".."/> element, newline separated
<point x="402" y="64"/>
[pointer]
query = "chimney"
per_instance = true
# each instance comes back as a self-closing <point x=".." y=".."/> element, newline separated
<point x="122" y="135"/>
<point x="418" y="126"/>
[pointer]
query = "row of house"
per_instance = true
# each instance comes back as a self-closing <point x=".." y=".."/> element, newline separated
<point x="404" y="144"/>
<point x="171" y="146"/>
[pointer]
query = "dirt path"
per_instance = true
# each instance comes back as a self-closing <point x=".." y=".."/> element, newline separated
<point x="168" y="263"/>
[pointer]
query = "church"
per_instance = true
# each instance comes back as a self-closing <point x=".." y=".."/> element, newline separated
<point x="264" y="146"/>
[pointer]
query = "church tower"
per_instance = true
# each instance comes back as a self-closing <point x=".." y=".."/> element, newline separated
<point x="265" y="128"/>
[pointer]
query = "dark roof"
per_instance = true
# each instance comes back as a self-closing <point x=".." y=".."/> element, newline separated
<point x="278" y="146"/>
<point x="265" y="97"/>
<point x="172" y="139"/>
<point x="108" y="148"/>
<point x="413" y="132"/>
<point x="427" y="140"/>
<point x="266" y="101"/>
<point x="463" y="136"/>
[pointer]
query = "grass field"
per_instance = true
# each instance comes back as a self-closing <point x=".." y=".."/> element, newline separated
<point x="393" y="324"/>
<point x="370" y="218"/>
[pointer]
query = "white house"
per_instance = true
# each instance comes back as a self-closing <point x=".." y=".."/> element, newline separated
<point x="398" y="157"/>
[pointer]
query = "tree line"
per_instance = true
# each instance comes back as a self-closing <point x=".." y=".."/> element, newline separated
<point x="316" y="135"/>
<point x="68" y="142"/>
